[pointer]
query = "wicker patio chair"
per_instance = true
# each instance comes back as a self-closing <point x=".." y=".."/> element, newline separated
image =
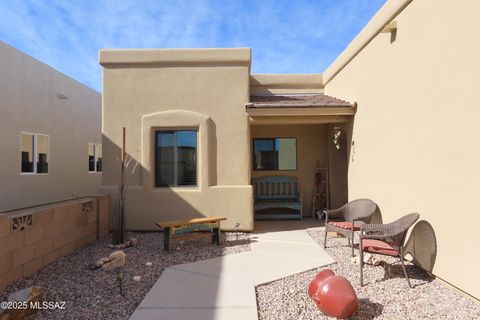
<point x="354" y="211"/>
<point x="386" y="239"/>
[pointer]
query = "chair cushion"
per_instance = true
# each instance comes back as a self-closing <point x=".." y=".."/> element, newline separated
<point x="344" y="225"/>
<point x="378" y="246"/>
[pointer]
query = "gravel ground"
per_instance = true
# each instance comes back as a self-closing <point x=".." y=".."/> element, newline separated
<point x="379" y="299"/>
<point x="95" y="294"/>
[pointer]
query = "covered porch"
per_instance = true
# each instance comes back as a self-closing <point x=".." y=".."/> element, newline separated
<point x="301" y="136"/>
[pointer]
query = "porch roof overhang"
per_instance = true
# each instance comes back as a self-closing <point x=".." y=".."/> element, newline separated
<point x="314" y="108"/>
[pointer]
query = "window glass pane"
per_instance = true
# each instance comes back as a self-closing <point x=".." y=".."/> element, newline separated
<point x="286" y="153"/>
<point x="264" y="154"/>
<point x="91" y="157"/>
<point x="27" y="152"/>
<point x="42" y="153"/>
<point x="186" y="158"/>
<point x="98" y="154"/>
<point x="164" y="159"/>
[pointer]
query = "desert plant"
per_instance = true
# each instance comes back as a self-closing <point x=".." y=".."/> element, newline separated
<point x="118" y="223"/>
<point x="337" y="132"/>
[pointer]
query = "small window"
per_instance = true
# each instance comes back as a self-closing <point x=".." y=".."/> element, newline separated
<point x="175" y="158"/>
<point x="27" y="152"/>
<point x="34" y="153"/>
<point x="42" y="153"/>
<point x="274" y="154"/>
<point x="94" y="157"/>
<point x="98" y="156"/>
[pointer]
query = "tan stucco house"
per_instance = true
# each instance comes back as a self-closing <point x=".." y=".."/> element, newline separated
<point x="206" y="106"/>
<point x="404" y="93"/>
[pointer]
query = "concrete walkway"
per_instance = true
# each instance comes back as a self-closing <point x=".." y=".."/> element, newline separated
<point x="224" y="287"/>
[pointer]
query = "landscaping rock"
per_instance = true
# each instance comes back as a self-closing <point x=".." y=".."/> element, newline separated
<point x="27" y="295"/>
<point x="98" y="264"/>
<point x="4" y="314"/>
<point x="115" y="260"/>
<point x="129" y="243"/>
<point x="367" y="258"/>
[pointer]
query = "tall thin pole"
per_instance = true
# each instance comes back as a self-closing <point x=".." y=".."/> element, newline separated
<point x="122" y="156"/>
<point x="119" y="216"/>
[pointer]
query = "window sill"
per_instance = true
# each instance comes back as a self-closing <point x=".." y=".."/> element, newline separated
<point x="177" y="188"/>
<point x="33" y="174"/>
<point x="266" y="170"/>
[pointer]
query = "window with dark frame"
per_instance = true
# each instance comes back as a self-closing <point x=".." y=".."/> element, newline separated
<point x="274" y="154"/>
<point x="175" y="158"/>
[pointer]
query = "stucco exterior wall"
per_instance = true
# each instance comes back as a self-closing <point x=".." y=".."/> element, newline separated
<point x="29" y="102"/>
<point x="311" y="147"/>
<point x="203" y="89"/>
<point x="416" y="130"/>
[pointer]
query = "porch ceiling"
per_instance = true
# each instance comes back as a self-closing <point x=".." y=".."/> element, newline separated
<point x="313" y="108"/>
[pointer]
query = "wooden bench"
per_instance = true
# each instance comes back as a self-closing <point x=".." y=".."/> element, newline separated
<point x="277" y="192"/>
<point x="182" y="229"/>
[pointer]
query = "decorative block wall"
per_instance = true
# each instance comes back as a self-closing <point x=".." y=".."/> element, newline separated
<point x="33" y="238"/>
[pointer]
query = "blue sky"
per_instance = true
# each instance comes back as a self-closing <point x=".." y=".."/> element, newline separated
<point x="285" y="36"/>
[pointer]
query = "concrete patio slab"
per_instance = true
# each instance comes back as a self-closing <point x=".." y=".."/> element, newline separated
<point x="255" y="267"/>
<point x="224" y="287"/>
<point x="201" y="291"/>
<point x="302" y="250"/>
<point x="195" y="313"/>
<point x="294" y="236"/>
<point x="186" y="295"/>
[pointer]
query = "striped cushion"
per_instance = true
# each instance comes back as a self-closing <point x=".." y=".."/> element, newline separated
<point x="380" y="247"/>
<point x="344" y="225"/>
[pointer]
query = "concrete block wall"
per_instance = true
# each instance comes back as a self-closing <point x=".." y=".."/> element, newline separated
<point x="55" y="231"/>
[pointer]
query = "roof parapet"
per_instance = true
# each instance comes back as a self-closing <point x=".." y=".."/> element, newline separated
<point x="286" y="83"/>
<point x="177" y="57"/>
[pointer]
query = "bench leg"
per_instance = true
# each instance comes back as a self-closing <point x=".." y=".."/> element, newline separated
<point x="216" y="236"/>
<point x="167" y="238"/>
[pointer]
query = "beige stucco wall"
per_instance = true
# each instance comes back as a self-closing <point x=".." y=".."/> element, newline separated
<point x="29" y="102"/>
<point x="204" y="89"/>
<point x="311" y="147"/>
<point x="416" y="128"/>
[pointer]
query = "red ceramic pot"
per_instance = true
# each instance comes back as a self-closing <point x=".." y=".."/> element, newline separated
<point x="314" y="284"/>
<point x="336" y="297"/>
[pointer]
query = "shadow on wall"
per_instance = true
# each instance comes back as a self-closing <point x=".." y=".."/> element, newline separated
<point x="139" y="198"/>
<point x="142" y="194"/>
<point x="212" y="150"/>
